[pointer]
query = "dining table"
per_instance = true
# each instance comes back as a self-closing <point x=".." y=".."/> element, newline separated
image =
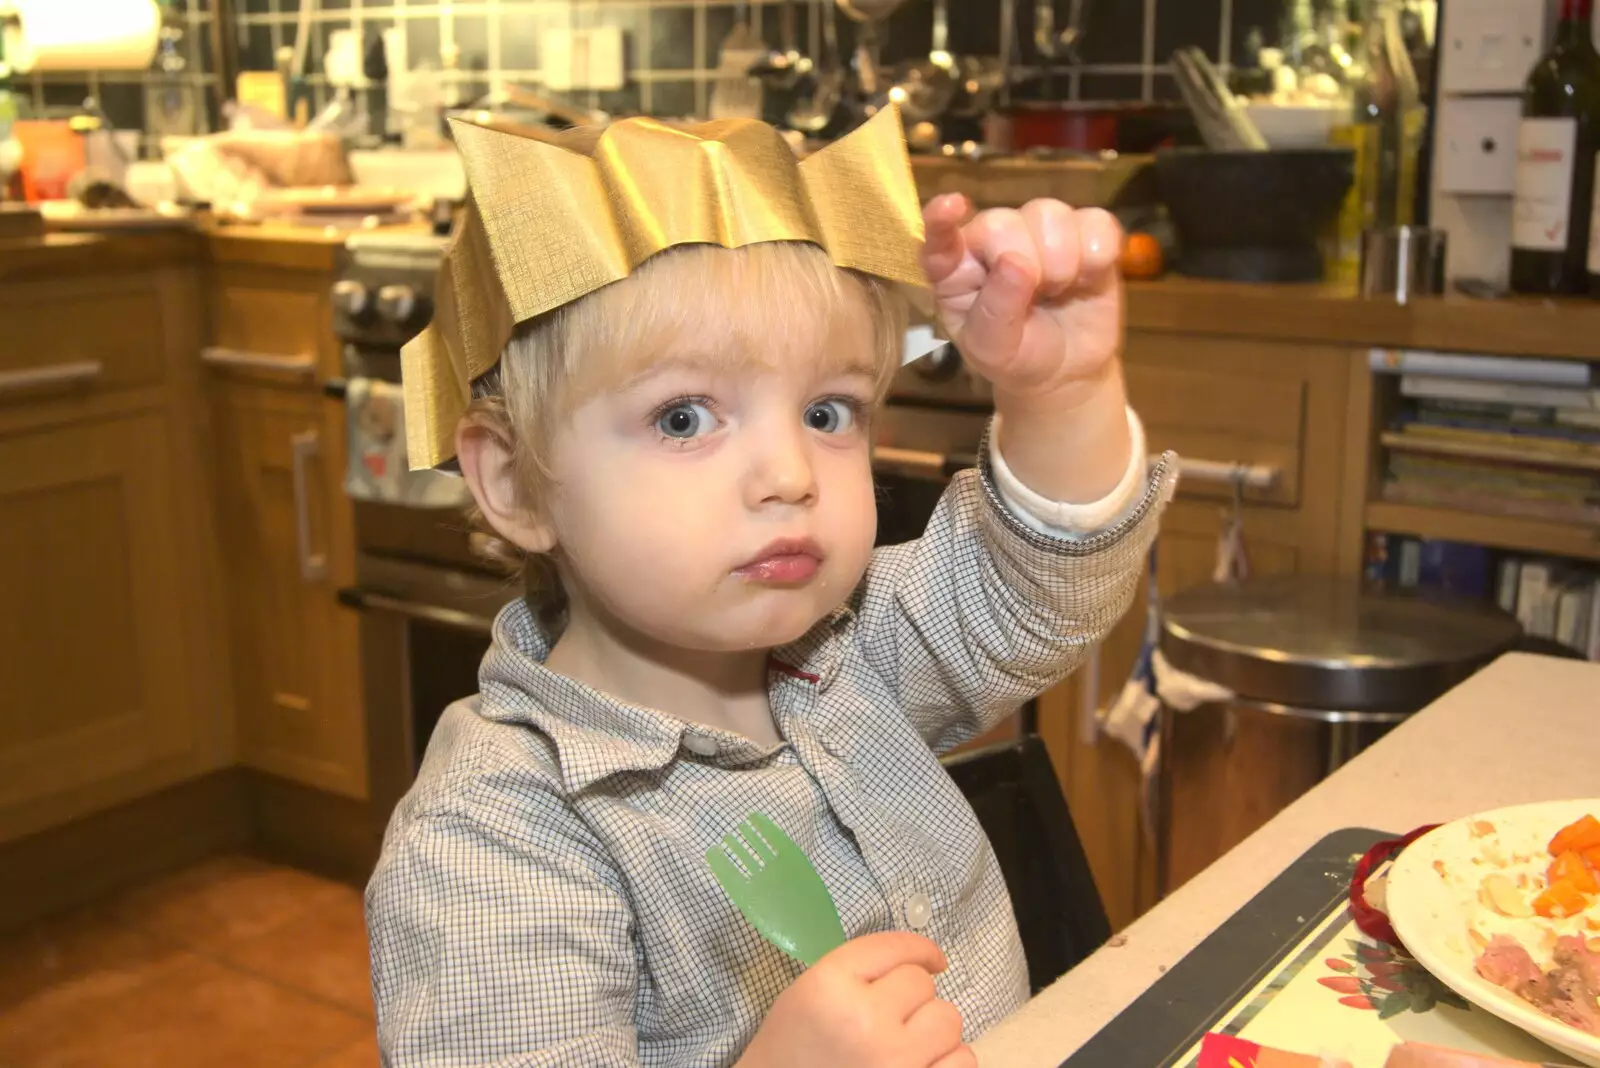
<point x="1523" y="729"/>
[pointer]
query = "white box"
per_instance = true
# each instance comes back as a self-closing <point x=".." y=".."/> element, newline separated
<point x="1489" y="46"/>
<point x="582" y="59"/>
<point x="1476" y="151"/>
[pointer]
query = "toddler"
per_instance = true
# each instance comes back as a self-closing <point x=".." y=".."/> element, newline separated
<point x="656" y="361"/>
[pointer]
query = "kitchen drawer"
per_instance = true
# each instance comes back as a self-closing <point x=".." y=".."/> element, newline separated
<point x="1222" y="410"/>
<point x="260" y="317"/>
<point x="97" y="333"/>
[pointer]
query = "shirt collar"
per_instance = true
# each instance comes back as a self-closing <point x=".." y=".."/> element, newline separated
<point x="594" y="734"/>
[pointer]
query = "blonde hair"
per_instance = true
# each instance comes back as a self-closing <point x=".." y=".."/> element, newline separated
<point x="556" y="361"/>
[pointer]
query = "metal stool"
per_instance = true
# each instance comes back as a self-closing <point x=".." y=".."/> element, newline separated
<point x="1347" y="663"/>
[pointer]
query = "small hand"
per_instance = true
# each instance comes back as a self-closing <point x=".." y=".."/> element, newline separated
<point x="869" y="1004"/>
<point x="1031" y="297"/>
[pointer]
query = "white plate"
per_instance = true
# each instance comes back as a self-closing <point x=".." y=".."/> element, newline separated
<point x="1430" y="915"/>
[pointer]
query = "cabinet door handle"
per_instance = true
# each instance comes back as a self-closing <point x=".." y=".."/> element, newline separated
<point x="427" y="613"/>
<point x="301" y="364"/>
<point x="303" y="447"/>
<point x="56" y="375"/>
<point x="933" y="464"/>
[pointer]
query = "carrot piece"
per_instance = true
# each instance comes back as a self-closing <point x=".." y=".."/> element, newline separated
<point x="1593" y="857"/>
<point x="1560" y="901"/>
<point x="1572" y="869"/>
<point x="1576" y="837"/>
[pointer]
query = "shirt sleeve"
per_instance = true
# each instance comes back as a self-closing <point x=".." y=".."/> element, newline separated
<point x="1071" y="520"/>
<point x="491" y="951"/>
<point x="984" y="611"/>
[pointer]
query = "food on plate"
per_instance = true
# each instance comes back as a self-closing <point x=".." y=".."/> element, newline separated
<point x="1577" y="837"/>
<point x="1536" y="918"/>
<point x="1569" y="991"/>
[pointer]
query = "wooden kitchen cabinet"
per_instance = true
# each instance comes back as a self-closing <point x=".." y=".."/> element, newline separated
<point x="1229" y="400"/>
<point x="287" y="539"/>
<point x="286" y="549"/>
<point x="110" y="683"/>
<point x="91" y="629"/>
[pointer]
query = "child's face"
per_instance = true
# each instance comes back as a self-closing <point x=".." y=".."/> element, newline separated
<point x="717" y="503"/>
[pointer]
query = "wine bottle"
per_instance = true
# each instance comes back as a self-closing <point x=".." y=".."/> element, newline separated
<point x="1556" y="146"/>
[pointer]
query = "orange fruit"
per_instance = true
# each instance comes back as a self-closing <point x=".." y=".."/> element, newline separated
<point x="1141" y="257"/>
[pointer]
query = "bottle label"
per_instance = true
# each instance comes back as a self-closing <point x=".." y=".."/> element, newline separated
<point x="1594" y="223"/>
<point x="1545" y="150"/>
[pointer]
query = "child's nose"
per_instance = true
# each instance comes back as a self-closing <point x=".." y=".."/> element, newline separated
<point x="782" y="471"/>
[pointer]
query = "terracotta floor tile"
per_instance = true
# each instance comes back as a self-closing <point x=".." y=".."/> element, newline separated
<point x="227" y="899"/>
<point x="191" y="1011"/>
<point x="363" y="1054"/>
<point x="85" y="953"/>
<point x="322" y="952"/>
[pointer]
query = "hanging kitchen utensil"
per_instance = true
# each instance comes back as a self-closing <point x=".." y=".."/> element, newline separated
<point x="1049" y="43"/>
<point x="866" y="66"/>
<point x="784" y="68"/>
<point x="1219" y="115"/>
<point x="927" y="86"/>
<point x="734" y="93"/>
<point x="1233" y="561"/>
<point x="869" y="11"/>
<point x="812" y="114"/>
<point x="980" y="79"/>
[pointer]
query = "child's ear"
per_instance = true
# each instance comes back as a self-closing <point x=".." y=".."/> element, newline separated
<point x="486" y="464"/>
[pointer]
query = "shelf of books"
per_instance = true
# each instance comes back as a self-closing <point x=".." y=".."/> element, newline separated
<point x="1490" y="485"/>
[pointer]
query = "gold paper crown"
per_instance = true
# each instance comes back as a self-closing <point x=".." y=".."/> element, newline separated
<point x="545" y="225"/>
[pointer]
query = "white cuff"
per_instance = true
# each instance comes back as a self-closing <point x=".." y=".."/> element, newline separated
<point x="1070" y="520"/>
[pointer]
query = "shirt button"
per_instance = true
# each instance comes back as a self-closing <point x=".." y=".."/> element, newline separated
<point x="700" y="744"/>
<point x="919" y="910"/>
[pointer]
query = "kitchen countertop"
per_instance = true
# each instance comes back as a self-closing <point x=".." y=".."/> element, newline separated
<point x="83" y="252"/>
<point x="1517" y="326"/>
<point x="1503" y="737"/>
<point x="112" y="252"/>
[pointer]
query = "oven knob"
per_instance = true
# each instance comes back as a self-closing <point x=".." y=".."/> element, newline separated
<point x="940" y="365"/>
<point x="350" y="297"/>
<point x="397" y="303"/>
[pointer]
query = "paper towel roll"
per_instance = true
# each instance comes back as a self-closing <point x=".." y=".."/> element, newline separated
<point x="82" y="35"/>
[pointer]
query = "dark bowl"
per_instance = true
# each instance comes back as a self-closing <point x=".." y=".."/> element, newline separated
<point x="1278" y="203"/>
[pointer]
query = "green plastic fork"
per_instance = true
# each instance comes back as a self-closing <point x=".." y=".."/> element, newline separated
<point x="773" y="884"/>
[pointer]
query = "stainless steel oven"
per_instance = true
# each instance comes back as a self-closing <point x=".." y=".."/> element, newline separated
<point x="425" y="622"/>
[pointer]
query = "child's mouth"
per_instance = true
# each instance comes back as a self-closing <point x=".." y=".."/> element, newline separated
<point x="786" y="561"/>
<point x="792" y="568"/>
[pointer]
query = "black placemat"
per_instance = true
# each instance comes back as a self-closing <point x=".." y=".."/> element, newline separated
<point x="1169" y="1018"/>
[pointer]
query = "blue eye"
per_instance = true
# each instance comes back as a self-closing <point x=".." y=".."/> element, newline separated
<point x="831" y="416"/>
<point x="686" y="419"/>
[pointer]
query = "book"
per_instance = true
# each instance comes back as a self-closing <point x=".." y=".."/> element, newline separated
<point x="1578" y="417"/>
<point x="1514" y="452"/>
<point x="1506" y="583"/>
<point x="1592" y="642"/>
<point x="1490" y="368"/>
<point x="1496" y="392"/>
<point x="1535" y="606"/>
<point x="1408" y="567"/>
<point x="1556" y="445"/>
<point x="1572" y="611"/>
<point x="1454" y="567"/>
<point x="1471" y="500"/>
